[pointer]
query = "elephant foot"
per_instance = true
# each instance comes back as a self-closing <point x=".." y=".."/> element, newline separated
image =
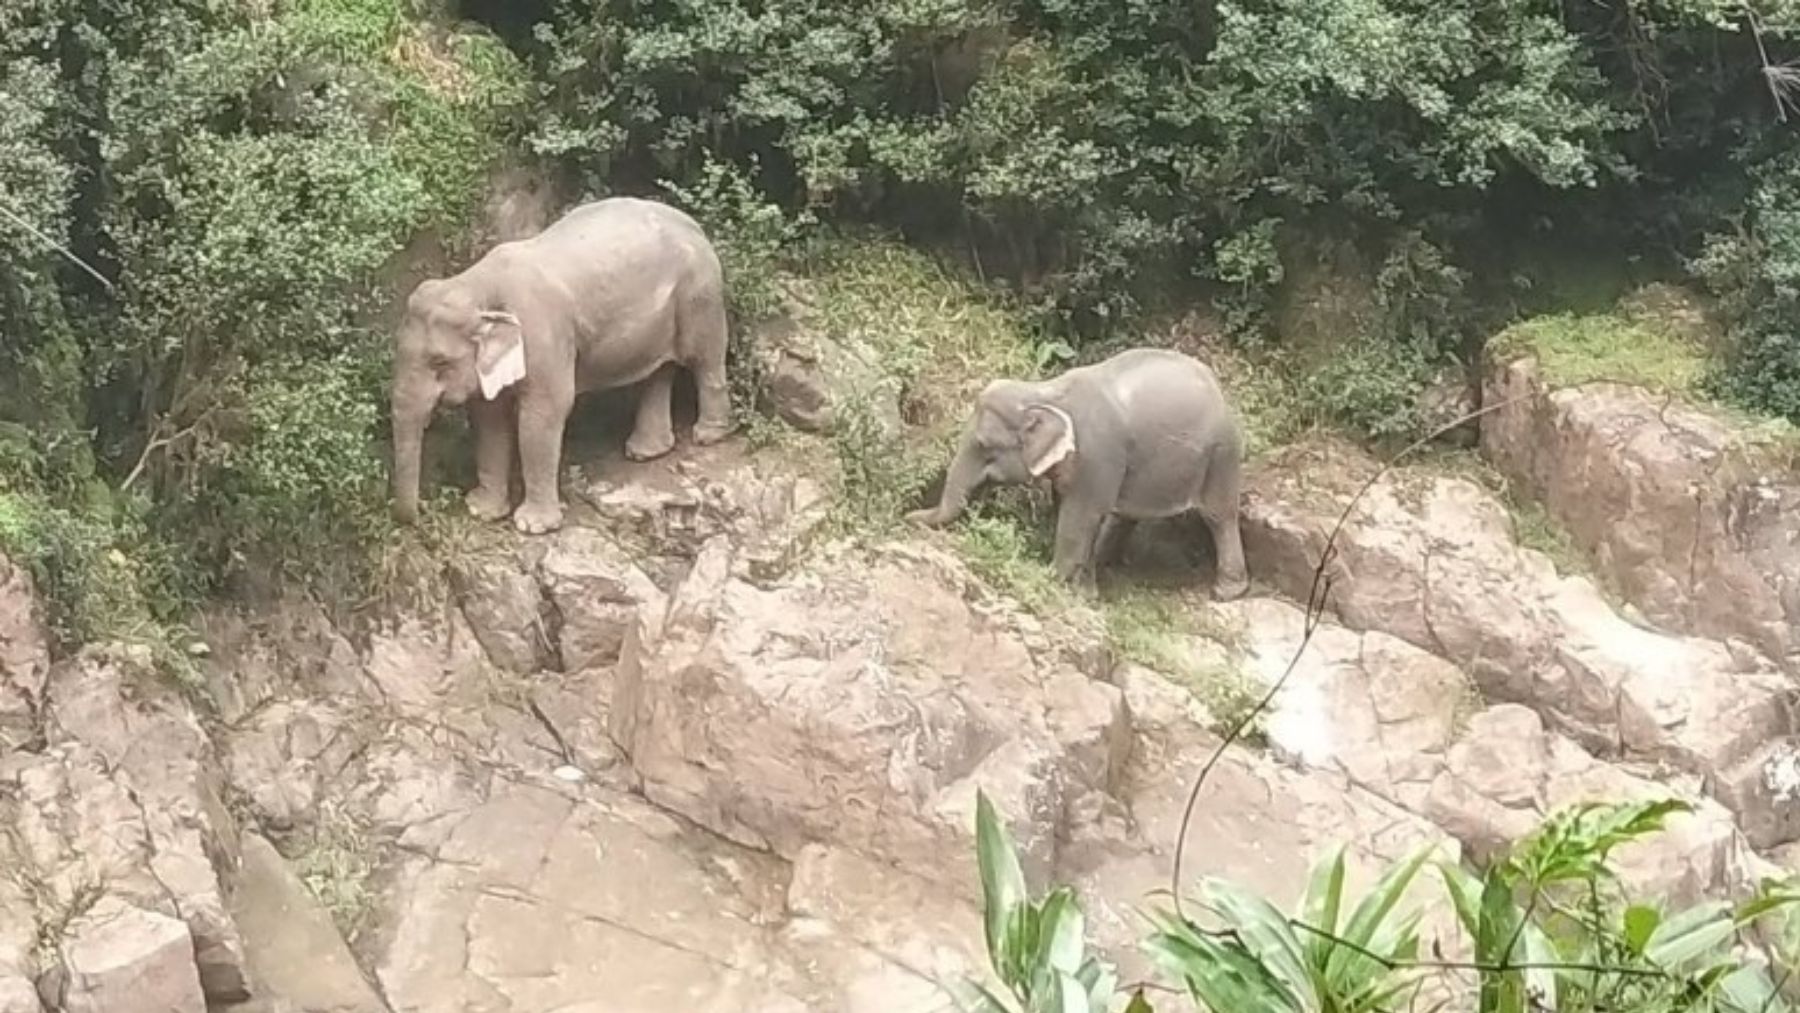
<point x="536" y="519"/>
<point x="487" y="506"/>
<point x="648" y="448"/>
<point x="708" y="433"/>
<point x="1230" y="588"/>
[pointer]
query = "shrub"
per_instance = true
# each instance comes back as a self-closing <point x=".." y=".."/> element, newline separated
<point x="1546" y="923"/>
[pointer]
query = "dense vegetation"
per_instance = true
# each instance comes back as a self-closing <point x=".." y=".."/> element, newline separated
<point x="1546" y="926"/>
<point x="201" y="203"/>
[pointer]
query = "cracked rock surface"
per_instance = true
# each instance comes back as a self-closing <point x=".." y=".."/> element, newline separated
<point x="1697" y="525"/>
<point x="1431" y="559"/>
<point x="688" y="753"/>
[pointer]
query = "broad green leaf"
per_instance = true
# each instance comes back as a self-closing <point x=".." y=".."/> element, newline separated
<point x="1060" y="926"/>
<point x="1139" y="1004"/>
<point x="1370" y="914"/>
<point x="1465" y="894"/>
<point x="1639" y="922"/>
<point x="1222" y="976"/>
<point x="1324" y="897"/>
<point x="1495" y="933"/>
<point x="1749" y="989"/>
<point x="1266" y="933"/>
<point x="1687" y="936"/>
<point x="1002" y="882"/>
<point x="977" y="999"/>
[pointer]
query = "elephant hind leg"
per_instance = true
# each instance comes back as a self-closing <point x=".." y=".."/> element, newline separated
<point x="1219" y="508"/>
<point x="653" y="435"/>
<point x="1115" y="535"/>
<point x="704" y="336"/>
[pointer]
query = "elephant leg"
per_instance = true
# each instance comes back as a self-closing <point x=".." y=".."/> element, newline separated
<point x="1077" y="534"/>
<point x="1219" y="508"/>
<point x="653" y="435"/>
<point x="496" y="439"/>
<point x="1115" y="534"/>
<point x="541" y="421"/>
<point x="706" y="335"/>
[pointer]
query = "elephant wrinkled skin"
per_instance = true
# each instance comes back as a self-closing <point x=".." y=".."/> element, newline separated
<point x="616" y="292"/>
<point x="1145" y="434"/>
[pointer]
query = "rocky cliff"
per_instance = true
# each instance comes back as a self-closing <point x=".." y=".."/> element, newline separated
<point x="697" y="751"/>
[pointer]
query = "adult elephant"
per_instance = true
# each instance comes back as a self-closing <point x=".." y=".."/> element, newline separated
<point x="615" y="292"/>
<point x="1145" y="434"/>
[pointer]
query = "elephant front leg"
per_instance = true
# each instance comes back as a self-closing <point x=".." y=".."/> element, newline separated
<point x="496" y="435"/>
<point x="1077" y="537"/>
<point x="653" y="435"/>
<point x="541" y="423"/>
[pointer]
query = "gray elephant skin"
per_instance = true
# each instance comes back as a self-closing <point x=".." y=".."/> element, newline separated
<point x="1145" y="434"/>
<point x="616" y="292"/>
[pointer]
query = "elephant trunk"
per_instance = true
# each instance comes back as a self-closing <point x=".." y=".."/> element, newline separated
<point x="966" y="474"/>
<point x="410" y="417"/>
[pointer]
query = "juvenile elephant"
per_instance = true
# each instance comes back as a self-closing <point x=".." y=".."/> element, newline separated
<point x="615" y="292"/>
<point x="1142" y="435"/>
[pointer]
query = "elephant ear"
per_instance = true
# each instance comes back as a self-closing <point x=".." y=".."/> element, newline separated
<point x="1049" y="437"/>
<point x="499" y="352"/>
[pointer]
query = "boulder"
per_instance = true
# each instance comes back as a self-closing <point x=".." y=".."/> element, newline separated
<point x="505" y="610"/>
<point x="1676" y="505"/>
<point x="596" y="590"/>
<point x="128" y="755"/>
<point x="814" y="382"/>
<point x="1258" y="822"/>
<point x="18" y="939"/>
<point x="285" y="756"/>
<point x="673" y="505"/>
<point x="537" y="899"/>
<point x="860" y="703"/>
<point x="24" y="656"/>
<point x="1431" y="559"/>
<point x="1368" y="706"/>
<point x="250" y="655"/>
<point x="297" y="954"/>
<point x="1510" y="772"/>
<point x="117" y="958"/>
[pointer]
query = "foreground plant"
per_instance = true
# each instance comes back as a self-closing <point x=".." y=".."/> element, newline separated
<point x="1548" y="926"/>
<point x="1037" y="948"/>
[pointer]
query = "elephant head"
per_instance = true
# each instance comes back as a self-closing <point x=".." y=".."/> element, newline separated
<point x="450" y="346"/>
<point x="1018" y="433"/>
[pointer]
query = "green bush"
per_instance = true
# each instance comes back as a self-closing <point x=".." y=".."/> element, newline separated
<point x="1546" y="923"/>
<point x="242" y="178"/>
<point x="1754" y="269"/>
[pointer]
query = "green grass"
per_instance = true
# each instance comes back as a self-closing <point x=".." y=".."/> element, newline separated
<point x="336" y="864"/>
<point x="1535" y="529"/>
<point x="1156" y="630"/>
<point x="1576" y="349"/>
<point x="938" y="339"/>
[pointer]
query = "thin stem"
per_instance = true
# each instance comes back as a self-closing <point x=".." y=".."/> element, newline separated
<point x="1316" y="599"/>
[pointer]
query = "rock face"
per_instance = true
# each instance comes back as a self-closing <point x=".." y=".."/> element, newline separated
<point x="815" y="383"/>
<point x="859" y="705"/>
<point x="1696" y="528"/>
<point x="124" y="804"/>
<point x="24" y="657"/>
<point x="1259" y="823"/>
<point x="117" y="957"/>
<point x="1431" y="560"/>
<point x="1509" y="772"/>
<point x="293" y="946"/>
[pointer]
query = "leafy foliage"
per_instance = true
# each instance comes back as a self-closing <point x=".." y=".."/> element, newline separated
<point x="1573" y="943"/>
<point x="206" y="196"/>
